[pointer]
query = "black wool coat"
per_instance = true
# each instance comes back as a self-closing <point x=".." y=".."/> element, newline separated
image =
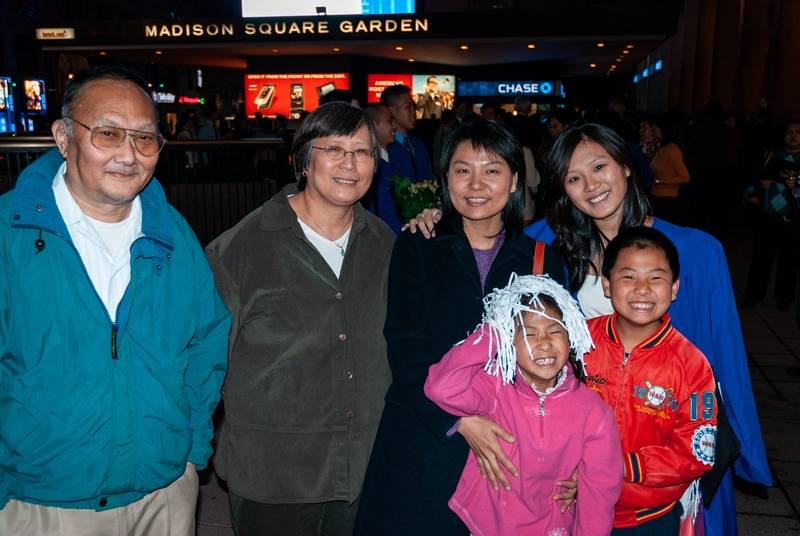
<point x="435" y="301"/>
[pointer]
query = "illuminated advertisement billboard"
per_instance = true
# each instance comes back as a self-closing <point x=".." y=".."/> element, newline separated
<point x="432" y="92"/>
<point x="301" y="8"/>
<point x="35" y="101"/>
<point x="289" y="94"/>
<point x="547" y="88"/>
<point x="6" y="99"/>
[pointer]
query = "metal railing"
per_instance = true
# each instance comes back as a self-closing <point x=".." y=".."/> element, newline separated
<point x="213" y="184"/>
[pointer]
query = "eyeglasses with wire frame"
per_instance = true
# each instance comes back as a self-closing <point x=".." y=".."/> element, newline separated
<point x="108" y="138"/>
<point x="334" y="152"/>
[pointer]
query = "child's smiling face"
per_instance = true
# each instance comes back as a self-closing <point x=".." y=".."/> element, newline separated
<point x="549" y="348"/>
<point x="641" y="289"/>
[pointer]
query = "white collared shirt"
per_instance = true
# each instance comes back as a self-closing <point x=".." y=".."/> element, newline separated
<point x="384" y="154"/>
<point x="105" y="248"/>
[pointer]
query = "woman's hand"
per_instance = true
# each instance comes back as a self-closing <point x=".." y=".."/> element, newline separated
<point x="424" y="222"/>
<point x="569" y="495"/>
<point x="481" y="435"/>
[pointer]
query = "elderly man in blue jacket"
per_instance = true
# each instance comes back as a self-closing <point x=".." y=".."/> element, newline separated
<point x="113" y="339"/>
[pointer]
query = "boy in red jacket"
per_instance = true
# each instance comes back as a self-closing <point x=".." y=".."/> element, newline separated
<point x="659" y="385"/>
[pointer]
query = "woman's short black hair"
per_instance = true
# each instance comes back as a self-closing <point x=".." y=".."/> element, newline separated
<point x="641" y="238"/>
<point x="578" y="240"/>
<point x="491" y="137"/>
<point x="331" y="119"/>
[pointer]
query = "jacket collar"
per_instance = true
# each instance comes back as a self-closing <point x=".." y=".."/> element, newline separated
<point x="651" y="342"/>
<point x="281" y="215"/>
<point x="34" y="204"/>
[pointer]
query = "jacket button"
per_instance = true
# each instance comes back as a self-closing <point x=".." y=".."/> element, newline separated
<point x="338" y="295"/>
<point x="349" y="375"/>
<point x="169" y="256"/>
<point x="158" y="267"/>
<point x="103" y="502"/>
<point x="342" y="337"/>
<point x="39" y="207"/>
<point x="349" y="414"/>
<point x="16" y="216"/>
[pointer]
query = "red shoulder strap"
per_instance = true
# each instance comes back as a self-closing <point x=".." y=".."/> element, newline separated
<point x="538" y="258"/>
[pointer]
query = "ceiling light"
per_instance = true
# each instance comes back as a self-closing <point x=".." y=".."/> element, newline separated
<point x="626" y="51"/>
<point x="158" y="52"/>
<point x="601" y="45"/>
<point x="102" y="53"/>
<point x="336" y="50"/>
<point x="592" y="65"/>
<point x="398" y="48"/>
<point x="464" y="47"/>
<point x="411" y="59"/>
<point x="274" y="49"/>
<point x="531" y="46"/>
<point x="619" y="59"/>
<point x="630" y="46"/>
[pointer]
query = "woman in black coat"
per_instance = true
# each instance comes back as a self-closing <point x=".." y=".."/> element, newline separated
<point x="436" y="288"/>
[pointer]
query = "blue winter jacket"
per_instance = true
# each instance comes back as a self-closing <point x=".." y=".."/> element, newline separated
<point x="95" y="414"/>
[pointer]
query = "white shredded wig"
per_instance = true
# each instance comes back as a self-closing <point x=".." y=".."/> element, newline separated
<point x="503" y="312"/>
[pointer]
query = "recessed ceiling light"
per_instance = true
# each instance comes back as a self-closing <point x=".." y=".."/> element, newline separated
<point x="102" y="53"/>
<point x="411" y="59"/>
<point x="601" y="45"/>
<point x="531" y="46"/>
<point x="158" y="52"/>
<point x="619" y="59"/>
<point x="274" y="49"/>
<point x="464" y="47"/>
<point x="592" y="65"/>
<point x="336" y="50"/>
<point x="626" y="51"/>
<point x="630" y="46"/>
<point x="398" y="48"/>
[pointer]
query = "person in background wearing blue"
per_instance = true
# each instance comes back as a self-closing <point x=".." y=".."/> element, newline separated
<point x="592" y="191"/>
<point x="409" y="153"/>
<point x="379" y="200"/>
<point x="112" y="335"/>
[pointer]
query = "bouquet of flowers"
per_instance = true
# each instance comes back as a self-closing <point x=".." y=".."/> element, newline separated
<point x="411" y="198"/>
<point x="648" y="146"/>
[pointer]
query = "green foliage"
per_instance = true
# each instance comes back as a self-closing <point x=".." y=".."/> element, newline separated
<point x="411" y="198"/>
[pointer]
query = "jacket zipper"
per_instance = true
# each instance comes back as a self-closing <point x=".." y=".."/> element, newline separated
<point x="542" y="415"/>
<point x="114" y="325"/>
<point x="620" y="382"/>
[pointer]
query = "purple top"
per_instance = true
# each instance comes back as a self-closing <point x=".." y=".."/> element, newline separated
<point x="485" y="257"/>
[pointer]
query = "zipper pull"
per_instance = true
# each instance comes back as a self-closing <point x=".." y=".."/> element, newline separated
<point x="114" y="342"/>
<point x="542" y="411"/>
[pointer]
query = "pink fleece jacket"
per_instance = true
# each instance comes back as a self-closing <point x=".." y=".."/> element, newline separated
<point x="555" y="433"/>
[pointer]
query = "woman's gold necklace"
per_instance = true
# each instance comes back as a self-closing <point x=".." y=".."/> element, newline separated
<point x="335" y="243"/>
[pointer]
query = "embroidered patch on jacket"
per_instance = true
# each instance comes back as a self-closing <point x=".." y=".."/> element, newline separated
<point x="704" y="443"/>
<point x="558" y="531"/>
<point x="656" y="397"/>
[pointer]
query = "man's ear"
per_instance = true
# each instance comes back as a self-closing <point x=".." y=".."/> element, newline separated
<point x="60" y="134"/>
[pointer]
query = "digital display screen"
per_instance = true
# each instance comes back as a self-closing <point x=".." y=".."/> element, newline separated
<point x="289" y="94"/>
<point x="6" y="99"/>
<point x="308" y="8"/>
<point x="34" y="96"/>
<point x="502" y="88"/>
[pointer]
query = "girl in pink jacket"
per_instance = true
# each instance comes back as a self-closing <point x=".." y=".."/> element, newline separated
<point x="534" y="338"/>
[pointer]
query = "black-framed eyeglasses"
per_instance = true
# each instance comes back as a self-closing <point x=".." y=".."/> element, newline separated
<point x="334" y="152"/>
<point x="107" y="138"/>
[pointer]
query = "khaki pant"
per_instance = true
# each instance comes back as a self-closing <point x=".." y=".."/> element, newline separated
<point x="165" y="512"/>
